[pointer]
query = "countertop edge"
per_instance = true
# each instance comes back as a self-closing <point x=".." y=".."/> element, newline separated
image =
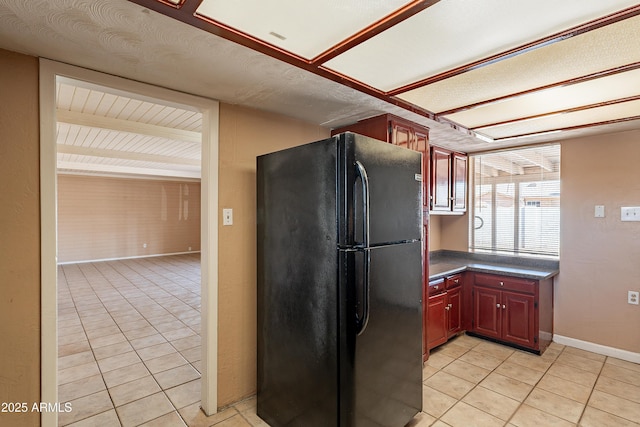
<point x="512" y="271"/>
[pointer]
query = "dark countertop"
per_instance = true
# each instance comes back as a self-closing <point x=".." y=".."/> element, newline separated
<point x="444" y="263"/>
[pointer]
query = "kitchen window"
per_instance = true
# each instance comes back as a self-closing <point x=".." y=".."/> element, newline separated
<point x="515" y="202"/>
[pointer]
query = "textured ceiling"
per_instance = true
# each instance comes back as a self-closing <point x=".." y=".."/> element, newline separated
<point x="122" y="38"/>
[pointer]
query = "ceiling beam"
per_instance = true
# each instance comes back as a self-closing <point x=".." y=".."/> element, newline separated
<point x="528" y="47"/>
<point x="502" y="164"/>
<point x="109" y="123"/>
<point x="374" y="29"/>
<point x="536" y="158"/>
<point x="563" y="83"/>
<point x="65" y="166"/>
<point x="556" y="112"/>
<point x="486" y="170"/>
<point x="570" y="128"/>
<point x="186" y="13"/>
<point x="125" y="155"/>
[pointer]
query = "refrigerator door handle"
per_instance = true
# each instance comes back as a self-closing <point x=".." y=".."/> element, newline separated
<point x="361" y="323"/>
<point x="362" y="172"/>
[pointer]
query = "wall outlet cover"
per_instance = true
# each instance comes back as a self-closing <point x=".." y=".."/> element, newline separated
<point x="630" y="213"/>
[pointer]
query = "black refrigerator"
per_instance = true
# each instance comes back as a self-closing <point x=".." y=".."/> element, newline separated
<point x="339" y="286"/>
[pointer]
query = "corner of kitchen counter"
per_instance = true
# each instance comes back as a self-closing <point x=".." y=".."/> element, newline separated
<point x="443" y="262"/>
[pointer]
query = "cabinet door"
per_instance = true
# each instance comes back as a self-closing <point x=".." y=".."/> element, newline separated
<point x="454" y="303"/>
<point x="401" y="135"/>
<point x="436" y="320"/>
<point x="459" y="183"/>
<point x="487" y="313"/>
<point x="440" y="179"/>
<point x="518" y="319"/>
<point x="421" y="144"/>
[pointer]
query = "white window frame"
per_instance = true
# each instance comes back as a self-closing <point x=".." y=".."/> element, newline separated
<point x="493" y="182"/>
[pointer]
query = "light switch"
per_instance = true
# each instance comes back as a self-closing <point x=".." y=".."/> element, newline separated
<point x="599" y="211"/>
<point x="227" y="216"/>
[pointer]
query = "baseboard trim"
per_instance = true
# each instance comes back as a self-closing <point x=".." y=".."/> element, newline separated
<point x="629" y="356"/>
<point x="130" y="257"/>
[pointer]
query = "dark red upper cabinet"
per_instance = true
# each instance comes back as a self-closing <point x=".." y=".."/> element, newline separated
<point x="440" y="179"/>
<point x="448" y="181"/>
<point x="459" y="183"/>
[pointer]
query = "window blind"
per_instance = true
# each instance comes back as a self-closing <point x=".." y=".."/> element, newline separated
<point x="515" y="202"/>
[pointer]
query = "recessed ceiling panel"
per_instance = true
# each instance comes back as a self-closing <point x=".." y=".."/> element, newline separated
<point x="453" y="33"/>
<point x="305" y="28"/>
<point x="606" y="48"/>
<point x="565" y="120"/>
<point x="617" y="86"/>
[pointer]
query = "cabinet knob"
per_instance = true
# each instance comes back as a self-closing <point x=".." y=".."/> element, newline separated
<point x="498" y="305"/>
<point x="447" y="308"/>
<point x="504" y="306"/>
<point x="501" y="283"/>
<point x="435" y="287"/>
<point x="456" y="281"/>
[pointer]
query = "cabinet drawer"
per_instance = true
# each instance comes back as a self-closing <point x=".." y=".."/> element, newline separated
<point x="436" y="287"/>
<point x="453" y="281"/>
<point x="506" y="283"/>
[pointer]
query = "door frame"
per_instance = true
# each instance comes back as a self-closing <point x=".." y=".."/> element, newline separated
<point x="49" y="71"/>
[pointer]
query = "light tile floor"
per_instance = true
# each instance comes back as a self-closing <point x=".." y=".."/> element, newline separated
<point x="473" y="382"/>
<point x="129" y="355"/>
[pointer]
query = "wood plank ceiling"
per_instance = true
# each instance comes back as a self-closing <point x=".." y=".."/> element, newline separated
<point x="102" y="131"/>
<point x="498" y="70"/>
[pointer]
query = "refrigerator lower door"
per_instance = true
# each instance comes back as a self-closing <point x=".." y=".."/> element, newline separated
<point x="388" y="353"/>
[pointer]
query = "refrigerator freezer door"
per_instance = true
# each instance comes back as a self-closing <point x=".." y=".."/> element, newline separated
<point x="394" y="190"/>
<point x="388" y="354"/>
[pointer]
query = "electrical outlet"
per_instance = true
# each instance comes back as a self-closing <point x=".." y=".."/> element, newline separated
<point x="633" y="297"/>
<point x="630" y="213"/>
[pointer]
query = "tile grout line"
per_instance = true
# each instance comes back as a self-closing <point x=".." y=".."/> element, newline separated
<point x="534" y="387"/>
<point x="162" y="390"/>
<point x="478" y="385"/>
<point x="92" y="351"/>
<point x="115" y="288"/>
<point x="492" y="371"/>
<point x="554" y="362"/>
<point x="592" y="390"/>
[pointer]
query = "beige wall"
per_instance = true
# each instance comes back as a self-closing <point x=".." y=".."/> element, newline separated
<point x="454" y="232"/>
<point x="102" y="218"/>
<point x="244" y="134"/>
<point x="20" y="236"/>
<point x="599" y="257"/>
<point x="449" y="232"/>
<point x="435" y="242"/>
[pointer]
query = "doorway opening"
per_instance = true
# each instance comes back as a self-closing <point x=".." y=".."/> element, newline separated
<point x="128" y="173"/>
